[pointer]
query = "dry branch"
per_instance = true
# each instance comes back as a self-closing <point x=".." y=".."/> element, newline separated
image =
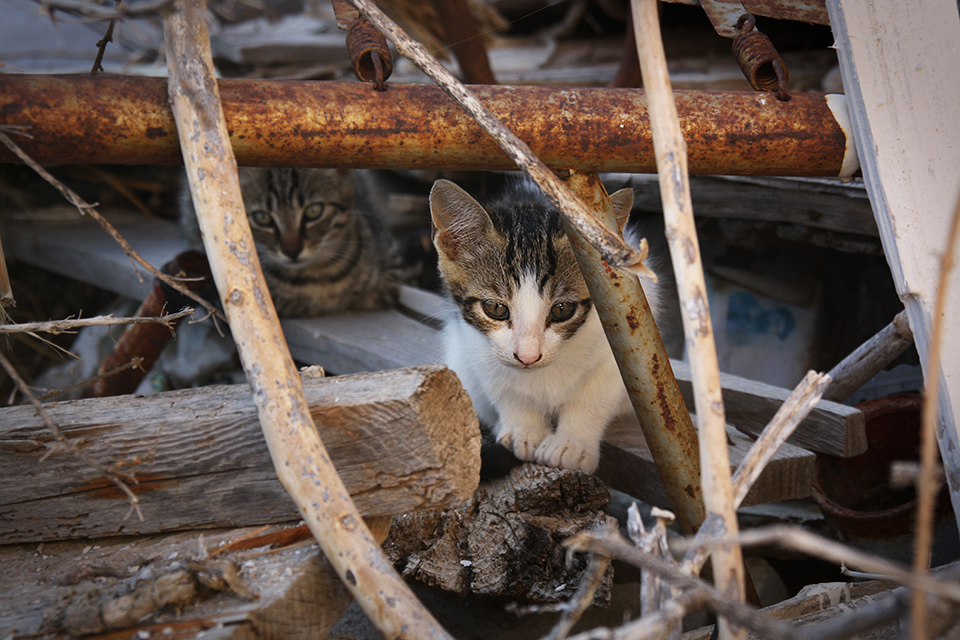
<point x="299" y="457"/>
<point x="685" y="254"/>
<point x="87" y="209"/>
<point x="608" y="243"/>
<point x="63" y="326"/>
<point x="610" y="542"/>
<point x="869" y="359"/>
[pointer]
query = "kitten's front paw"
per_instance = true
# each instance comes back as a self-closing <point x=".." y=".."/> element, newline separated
<point x="565" y="452"/>
<point x="522" y="440"/>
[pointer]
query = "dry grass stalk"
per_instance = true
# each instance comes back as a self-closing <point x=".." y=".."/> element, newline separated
<point x="929" y="482"/>
<point x="299" y="457"/>
<point x="684" y="250"/>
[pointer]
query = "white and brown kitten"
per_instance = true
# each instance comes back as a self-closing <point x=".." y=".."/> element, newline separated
<point x="525" y="338"/>
<point x="320" y="252"/>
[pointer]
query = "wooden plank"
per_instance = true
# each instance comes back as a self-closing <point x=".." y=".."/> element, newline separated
<point x="402" y="440"/>
<point x="627" y="465"/>
<point x="899" y="66"/>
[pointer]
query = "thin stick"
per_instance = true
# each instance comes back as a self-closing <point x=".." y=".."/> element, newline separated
<point x="610" y="542"/>
<point x="788" y="417"/>
<point x="299" y="457"/>
<point x="655" y="626"/>
<point x="870" y="358"/>
<point x="85" y="208"/>
<point x="62" y="326"/>
<point x="681" y="235"/>
<point x="102" y="43"/>
<point x="66" y="444"/>
<point x="800" y="540"/>
<point x="610" y="245"/>
<point x="928" y="481"/>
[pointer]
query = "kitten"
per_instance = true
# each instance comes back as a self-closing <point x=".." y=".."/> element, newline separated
<point x="320" y="250"/>
<point x="525" y="339"/>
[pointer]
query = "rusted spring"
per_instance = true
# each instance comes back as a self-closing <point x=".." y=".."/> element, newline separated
<point x="369" y="53"/>
<point x="759" y="59"/>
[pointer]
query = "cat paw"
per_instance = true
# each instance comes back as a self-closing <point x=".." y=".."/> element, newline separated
<point x="565" y="452"/>
<point x="522" y="441"/>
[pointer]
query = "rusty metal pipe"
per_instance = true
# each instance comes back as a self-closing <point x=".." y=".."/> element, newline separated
<point x="644" y="365"/>
<point x="116" y="119"/>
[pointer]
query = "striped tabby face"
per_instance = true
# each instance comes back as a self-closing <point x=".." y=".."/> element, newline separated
<point x="511" y="271"/>
<point x="298" y="216"/>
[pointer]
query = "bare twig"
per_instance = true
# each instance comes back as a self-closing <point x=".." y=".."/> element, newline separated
<point x="63" y="326"/>
<point x="610" y="245"/>
<point x="88" y="209"/>
<point x="66" y="444"/>
<point x="610" y="542"/>
<point x="102" y="43"/>
<point x="928" y="482"/>
<point x="681" y="235"/>
<point x="869" y="359"/>
<point x="655" y="626"/>
<point x="802" y="541"/>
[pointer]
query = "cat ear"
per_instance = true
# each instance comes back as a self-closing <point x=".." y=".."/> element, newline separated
<point x="459" y="221"/>
<point x="622" y="201"/>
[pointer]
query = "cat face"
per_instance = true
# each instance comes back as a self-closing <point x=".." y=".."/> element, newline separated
<point x="297" y="216"/>
<point x="511" y="271"/>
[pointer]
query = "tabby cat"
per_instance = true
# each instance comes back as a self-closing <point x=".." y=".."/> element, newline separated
<point x="523" y="335"/>
<point x="321" y="251"/>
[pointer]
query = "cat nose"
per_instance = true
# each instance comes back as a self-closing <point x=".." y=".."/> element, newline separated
<point x="527" y="359"/>
<point x="291" y="247"/>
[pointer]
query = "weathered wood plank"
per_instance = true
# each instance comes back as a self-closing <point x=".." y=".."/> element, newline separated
<point x="901" y="76"/>
<point x="627" y="465"/>
<point x="401" y="440"/>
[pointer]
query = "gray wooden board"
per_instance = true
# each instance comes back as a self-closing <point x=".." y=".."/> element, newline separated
<point x="401" y="440"/>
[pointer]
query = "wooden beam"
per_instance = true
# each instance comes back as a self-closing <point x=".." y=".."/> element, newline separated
<point x="401" y="440"/>
<point x="900" y="71"/>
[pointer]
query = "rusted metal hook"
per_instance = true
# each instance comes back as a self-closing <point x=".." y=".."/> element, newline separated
<point x="759" y="59"/>
<point x="369" y="53"/>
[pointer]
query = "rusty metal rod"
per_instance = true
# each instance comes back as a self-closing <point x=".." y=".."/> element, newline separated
<point x="118" y="119"/>
<point x="644" y="365"/>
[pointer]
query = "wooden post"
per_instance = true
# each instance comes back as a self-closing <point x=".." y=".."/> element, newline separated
<point x="299" y="457"/>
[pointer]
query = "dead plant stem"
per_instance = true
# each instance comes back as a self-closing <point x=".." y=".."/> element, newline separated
<point x="63" y="326"/>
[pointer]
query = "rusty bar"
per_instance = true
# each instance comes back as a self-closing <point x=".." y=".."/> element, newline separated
<point x="644" y="365"/>
<point x="118" y="120"/>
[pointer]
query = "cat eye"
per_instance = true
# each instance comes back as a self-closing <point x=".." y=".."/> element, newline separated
<point x="313" y="212"/>
<point x="262" y="219"/>
<point x="496" y="310"/>
<point x="562" y="311"/>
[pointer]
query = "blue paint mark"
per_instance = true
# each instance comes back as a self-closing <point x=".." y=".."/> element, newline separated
<point x="747" y="320"/>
